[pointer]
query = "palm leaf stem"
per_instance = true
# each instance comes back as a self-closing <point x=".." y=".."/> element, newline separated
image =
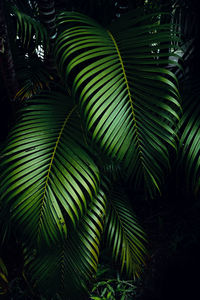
<point x="50" y="166"/>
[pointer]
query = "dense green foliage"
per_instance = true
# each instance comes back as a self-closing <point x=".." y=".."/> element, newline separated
<point x="97" y="111"/>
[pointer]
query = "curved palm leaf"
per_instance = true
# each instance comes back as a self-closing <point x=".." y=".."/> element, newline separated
<point x="29" y="29"/>
<point x="190" y="137"/>
<point x="67" y="268"/>
<point x="32" y="76"/>
<point x="128" y="100"/>
<point x="124" y="235"/>
<point x="47" y="172"/>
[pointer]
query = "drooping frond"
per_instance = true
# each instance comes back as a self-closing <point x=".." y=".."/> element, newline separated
<point x="47" y="172"/>
<point x="190" y="135"/>
<point x="124" y="235"/>
<point x="128" y="100"/>
<point x="30" y="30"/>
<point x="68" y="268"/>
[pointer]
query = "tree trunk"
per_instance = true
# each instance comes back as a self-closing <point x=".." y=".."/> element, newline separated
<point x="6" y="60"/>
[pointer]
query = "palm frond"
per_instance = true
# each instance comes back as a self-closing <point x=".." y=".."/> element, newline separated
<point x="32" y="75"/>
<point x="28" y="7"/>
<point x="47" y="172"/>
<point x="124" y="235"/>
<point x="189" y="147"/>
<point x="30" y="29"/>
<point x="128" y="100"/>
<point x="67" y="269"/>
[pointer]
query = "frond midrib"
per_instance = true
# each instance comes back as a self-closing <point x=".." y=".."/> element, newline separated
<point x="122" y="228"/>
<point x="129" y="96"/>
<point x="50" y="166"/>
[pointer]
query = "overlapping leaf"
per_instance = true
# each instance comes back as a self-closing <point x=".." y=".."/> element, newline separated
<point x="128" y="100"/>
<point x="47" y="173"/>
<point x="124" y="235"/>
<point x="66" y="269"/>
<point x="32" y="76"/>
<point x="29" y="29"/>
<point x="190" y="137"/>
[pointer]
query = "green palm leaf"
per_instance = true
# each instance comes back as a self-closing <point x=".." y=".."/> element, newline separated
<point x="29" y="29"/>
<point x="190" y="137"/>
<point x="124" y="235"/>
<point x="68" y="268"/>
<point x="47" y="172"/>
<point x="128" y="100"/>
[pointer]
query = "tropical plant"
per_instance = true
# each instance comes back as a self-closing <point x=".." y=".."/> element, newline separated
<point x="113" y="289"/>
<point x="111" y="286"/>
<point x="108" y="117"/>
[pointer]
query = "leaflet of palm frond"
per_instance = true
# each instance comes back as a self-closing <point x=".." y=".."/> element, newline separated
<point x="47" y="173"/>
<point x="125" y="237"/>
<point x="67" y="269"/>
<point x="189" y="147"/>
<point x="129" y="102"/>
<point x="29" y="29"/>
